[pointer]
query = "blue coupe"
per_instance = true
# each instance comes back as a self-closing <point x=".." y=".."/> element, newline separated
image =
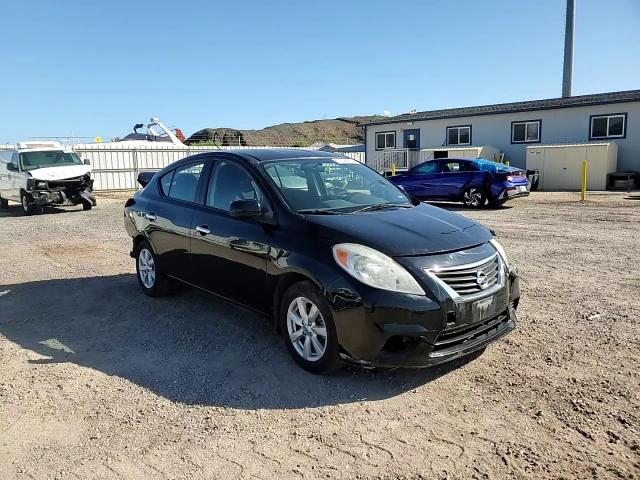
<point x="474" y="182"/>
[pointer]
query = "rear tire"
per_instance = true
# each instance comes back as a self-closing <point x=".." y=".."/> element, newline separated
<point x="497" y="203"/>
<point x="152" y="282"/>
<point x="28" y="207"/>
<point x="308" y="329"/>
<point x="474" y="197"/>
<point x="4" y="203"/>
<point x="86" y="205"/>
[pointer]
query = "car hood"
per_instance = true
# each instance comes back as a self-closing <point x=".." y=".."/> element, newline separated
<point x="421" y="230"/>
<point x="60" y="173"/>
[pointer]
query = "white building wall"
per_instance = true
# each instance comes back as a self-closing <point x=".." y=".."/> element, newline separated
<point x="562" y="125"/>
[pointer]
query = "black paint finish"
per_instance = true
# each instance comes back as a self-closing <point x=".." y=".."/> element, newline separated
<point x="251" y="261"/>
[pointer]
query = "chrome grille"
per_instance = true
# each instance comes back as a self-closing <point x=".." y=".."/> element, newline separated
<point x="473" y="279"/>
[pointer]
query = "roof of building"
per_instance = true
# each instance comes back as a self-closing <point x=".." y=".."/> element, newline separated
<point x="514" y="107"/>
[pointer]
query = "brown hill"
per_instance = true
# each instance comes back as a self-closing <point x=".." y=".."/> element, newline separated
<point x="342" y="130"/>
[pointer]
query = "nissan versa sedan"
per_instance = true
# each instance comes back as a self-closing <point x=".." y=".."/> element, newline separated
<point x="474" y="182"/>
<point x="347" y="266"/>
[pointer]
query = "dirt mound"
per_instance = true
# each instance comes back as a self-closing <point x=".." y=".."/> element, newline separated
<point x="338" y="130"/>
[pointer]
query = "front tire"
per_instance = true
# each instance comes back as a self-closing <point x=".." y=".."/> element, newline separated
<point x="28" y="207"/>
<point x="308" y="329"/>
<point x="152" y="282"/>
<point x="473" y="198"/>
<point x="86" y="205"/>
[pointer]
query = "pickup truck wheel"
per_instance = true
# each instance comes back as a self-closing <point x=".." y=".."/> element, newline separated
<point x="86" y="205"/>
<point x="152" y="282"/>
<point x="4" y="203"/>
<point x="308" y="329"/>
<point x="28" y="207"/>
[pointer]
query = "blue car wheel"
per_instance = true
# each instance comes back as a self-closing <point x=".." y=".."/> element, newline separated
<point x="473" y="198"/>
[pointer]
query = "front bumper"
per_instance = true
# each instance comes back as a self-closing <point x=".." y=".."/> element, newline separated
<point x="69" y="193"/>
<point x="385" y="329"/>
<point x="449" y="344"/>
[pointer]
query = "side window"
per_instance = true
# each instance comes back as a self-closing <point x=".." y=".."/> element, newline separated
<point x="184" y="182"/>
<point x="451" y="167"/>
<point x="467" y="167"/>
<point x="229" y="183"/>
<point x="429" y="167"/>
<point x="165" y="182"/>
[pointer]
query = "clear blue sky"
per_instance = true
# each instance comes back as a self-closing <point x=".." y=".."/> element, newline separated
<point x="95" y="68"/>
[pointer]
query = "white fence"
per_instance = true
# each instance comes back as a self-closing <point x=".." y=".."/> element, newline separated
<point x="116" y="167"/>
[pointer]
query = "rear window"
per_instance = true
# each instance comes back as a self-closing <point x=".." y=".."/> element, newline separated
<point x="182" y="183"/>
<point x="165" y="182"/>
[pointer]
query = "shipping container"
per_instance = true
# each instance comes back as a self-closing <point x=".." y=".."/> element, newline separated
<point x="560" y="166"/>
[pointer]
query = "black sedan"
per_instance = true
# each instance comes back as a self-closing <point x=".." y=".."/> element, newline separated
<point x="346" y="265"/>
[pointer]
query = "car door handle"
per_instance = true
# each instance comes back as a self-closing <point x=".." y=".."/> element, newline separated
<point x="150" y="216"/>
<point x="203" y="230"/>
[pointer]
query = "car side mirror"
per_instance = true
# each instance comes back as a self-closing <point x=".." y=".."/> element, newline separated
<point x="249" y="208"/>
<point x="11" y="167"/>
<point x="86" y="161"/>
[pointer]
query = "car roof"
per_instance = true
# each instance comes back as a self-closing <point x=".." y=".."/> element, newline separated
<point x="257" y="155"/>
<point x="455" y="159"/>
<point x="267" y="154"/>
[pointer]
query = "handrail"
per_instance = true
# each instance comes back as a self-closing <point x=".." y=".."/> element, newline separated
<point x="385" y="159"/>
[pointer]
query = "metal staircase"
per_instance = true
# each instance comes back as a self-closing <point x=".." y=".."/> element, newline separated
<point x="403" y="159"/>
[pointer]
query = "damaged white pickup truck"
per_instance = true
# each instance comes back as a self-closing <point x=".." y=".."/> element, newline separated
<point x="37" y="174"/>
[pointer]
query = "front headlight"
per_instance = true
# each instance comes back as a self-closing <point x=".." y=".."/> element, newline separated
<point x="375" y="269"/>
<point x="500" y="251"/>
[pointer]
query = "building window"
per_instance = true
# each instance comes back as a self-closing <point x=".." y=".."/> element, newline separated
<point x="385" y="140"/>
<point x="608" y="126"/>
<point x="459" y="135"/>
<point x="525" y="132"/>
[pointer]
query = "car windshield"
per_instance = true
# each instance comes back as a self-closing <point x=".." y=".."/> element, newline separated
<point x="339" y="185"/>
<point x="50" y="158"/>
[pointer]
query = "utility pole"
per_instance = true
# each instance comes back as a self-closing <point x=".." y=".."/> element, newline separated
<point x="567" y="73"/>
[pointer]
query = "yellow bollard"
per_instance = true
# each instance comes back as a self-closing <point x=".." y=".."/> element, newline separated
<point x="506" y="163"/>
<point x="584" y="180"/>
<point x="393" y="169"/>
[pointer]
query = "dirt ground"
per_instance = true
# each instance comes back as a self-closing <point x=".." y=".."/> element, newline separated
<point x="98" y="381"/>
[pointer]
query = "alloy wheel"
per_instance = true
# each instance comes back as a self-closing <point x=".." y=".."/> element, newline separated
<point x="472" y="197"/>
<point x="307" y="329"/>
<point x="146" y="268"/>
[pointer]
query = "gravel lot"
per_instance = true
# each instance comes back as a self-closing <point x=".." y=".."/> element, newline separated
<point x="98" y="381"/>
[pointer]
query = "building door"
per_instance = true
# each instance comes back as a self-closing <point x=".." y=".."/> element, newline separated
<point x="412" y="139"/>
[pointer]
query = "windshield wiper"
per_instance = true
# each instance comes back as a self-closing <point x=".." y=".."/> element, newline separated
<point x="381" y="206"/>
<point x="318" y="211"/>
